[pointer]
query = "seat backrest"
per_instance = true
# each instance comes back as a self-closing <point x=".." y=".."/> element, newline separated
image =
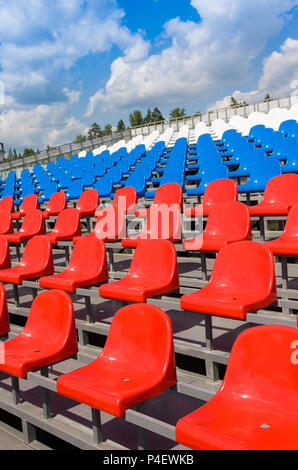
<point x="88" y="200"/>
<point x="245" y="265"/>
<point x="291" y="226"/>
<point x="68" y="222"/>
<point x="6" y="204"/>
<point x="30" y="203"/>
<point x="263" y="365"/>
<point x="5" y="260"/>
<point x="4" y="318"/>
<point x="57" y="202"/>
<point x="89" y="256"/>
<point x="51" y="319"/>
<point x="230" y="221"/>
<point x="133" y="334"/>
<point x="128" y="197"/>
<point x="221" y="190"/>
<point x="282" y="188"/>
<point x="154" y="260"/>
<point x="38" y="254"/>
<point x="33" y="223"/>
<point x="169" y="193"/>
<point x="163" y="222"/>
<point x="6" y="225"/>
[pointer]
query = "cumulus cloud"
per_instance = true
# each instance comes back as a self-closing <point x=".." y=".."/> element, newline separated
<point x="39" y="38"/>
<point x="202" y="56"/>
<point x="41" y="125"/>
<point x="279" y="77"/>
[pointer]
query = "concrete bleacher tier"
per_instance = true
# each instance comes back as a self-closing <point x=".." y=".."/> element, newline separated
<point x="148" y="338"/>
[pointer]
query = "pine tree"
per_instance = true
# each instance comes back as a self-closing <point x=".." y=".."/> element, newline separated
<point x="156" y="115"/>
<point x="120" y="126"/>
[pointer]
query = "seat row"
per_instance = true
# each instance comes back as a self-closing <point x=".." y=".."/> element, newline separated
<point x="255" y="407"/>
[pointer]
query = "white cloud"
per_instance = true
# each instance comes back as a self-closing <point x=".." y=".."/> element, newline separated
<point x="279" y="77"/>
<point x="41" y="125"/>
<point x="281" y="69"/>
<point x="202" y="57"/>
<point x="38" y="38"/>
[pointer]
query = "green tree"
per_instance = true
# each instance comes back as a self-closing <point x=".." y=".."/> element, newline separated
<point x="120" y="126"/>
<point x="15" y="155"/>
<point x="80" y="138"/>
<point x="148" y="118"/>
<point x="156" y="115"/>
<point x="234" y="103"/>
<point x="95" y="131"/>
<point x="135" y="118"/>
<point x="177" y="113"/>
<point x="9" y="155"/>
<point x="267" y="98"/>
<point x="28" y="151"/>
<point x="107" y="129"/>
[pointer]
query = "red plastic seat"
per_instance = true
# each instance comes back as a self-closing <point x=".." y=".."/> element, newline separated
<point x="279" y="196"/>
<point x="125" y="199"/>
<point x="256" y="405"/>
<point x="137" y="363"/>
<point x="88" y="202"/>
<point x="162" y="223"/>
<point x="242" y="280"/>
<point x="6" y="225"/>
<point x="219" y="191"/>
<point x="87" y="266"/>
<point x="153" y="271"/>
<point x="110" y="224"/>
<point x="32" y="225"/>
<point x="49" y="335"/>
<point x="37" y="260"/>
<point x="169" y="193"/>
<point x="227" y="222"/>
<point x="4" y="318"/>
<point x="7" y="204"/>
<point x="5" y="261"/>
<point x="29" y="204"/>
<point x="287" y="243"/>
<point x="66" y="227"/>
<point x="56" y="204"/>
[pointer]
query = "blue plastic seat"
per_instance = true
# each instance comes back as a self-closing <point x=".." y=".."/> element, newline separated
<point x="260" y="174"/>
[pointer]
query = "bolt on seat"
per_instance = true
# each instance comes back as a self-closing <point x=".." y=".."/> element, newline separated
<point x="87" y="266"/>
<point x="228" y="222"/>
<point x="136" y="363"/>
<point x="256" y="405"/>
<point x="49" y="335"/>
<point x="153" y="271"/>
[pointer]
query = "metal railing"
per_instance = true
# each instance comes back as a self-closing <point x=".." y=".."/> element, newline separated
<point x="67" y="150"/>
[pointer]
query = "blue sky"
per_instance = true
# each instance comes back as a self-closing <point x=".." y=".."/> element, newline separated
<point x="67" y="63"/>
